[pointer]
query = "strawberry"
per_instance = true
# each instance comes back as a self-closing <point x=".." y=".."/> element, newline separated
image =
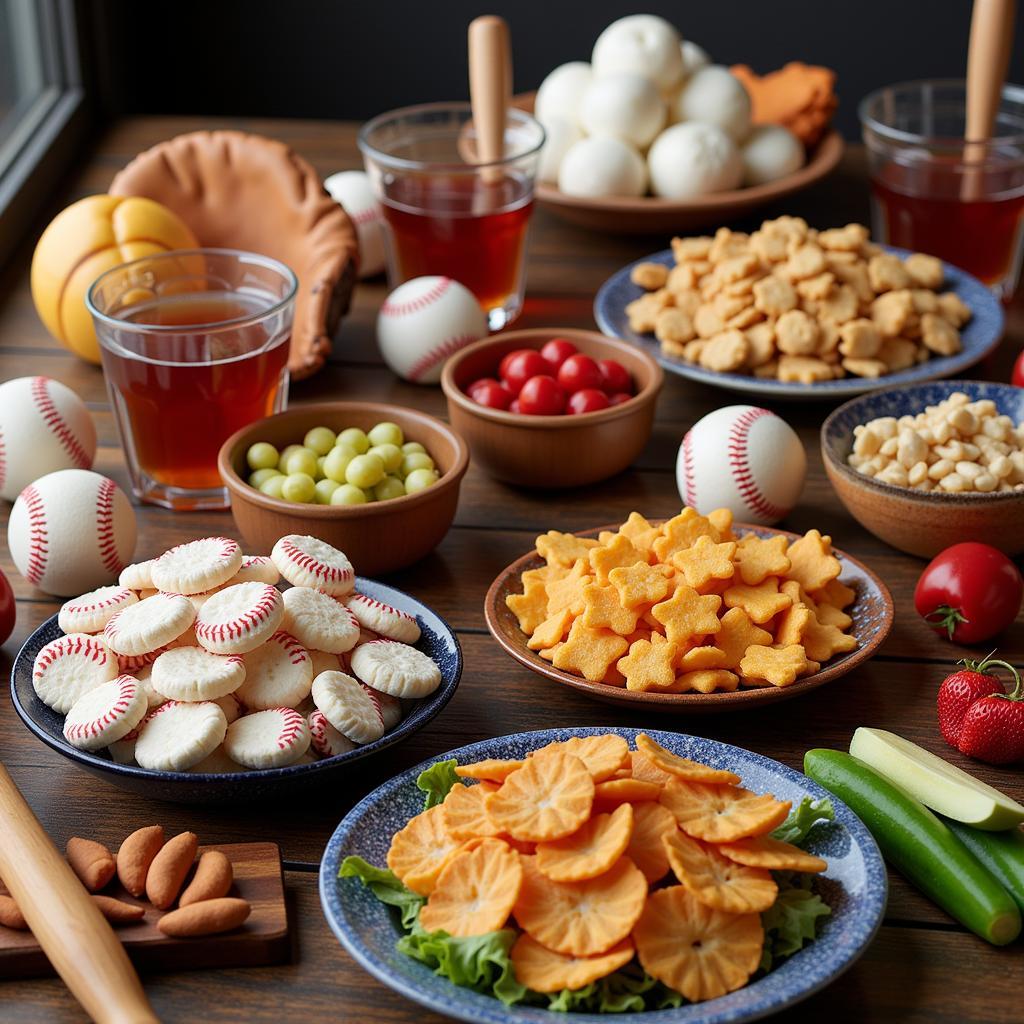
<point x="993" y="728"/>
<point x="959" y="691"/>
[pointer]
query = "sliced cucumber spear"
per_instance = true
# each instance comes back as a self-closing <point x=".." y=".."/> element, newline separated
<point x="1001" y="852"/>
<point x="919" y="845"/>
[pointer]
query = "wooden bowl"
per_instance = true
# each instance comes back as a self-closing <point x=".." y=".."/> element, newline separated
<point x="378" y="537"/>
<point x="872" y="613"/>
<point x="914" y="521"/>
<point x="552" y="451"/>
<point x="638" y="215"/>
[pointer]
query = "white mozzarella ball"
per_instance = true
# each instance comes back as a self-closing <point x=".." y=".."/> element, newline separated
<point x="771" y="152"/>
<point x="693" y="159"/>
<point x="643" y="44"/>
<point x="602" y="166"/>
<point x="624" y="106"/>
<point x="560" y="93"/>
<point x="694" y="57"/>
<point x="560" y="133"/>
<point x="714" y="95"/>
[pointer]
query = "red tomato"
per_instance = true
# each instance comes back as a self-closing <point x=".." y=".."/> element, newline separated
<point x="7" y="611"/>
<point x="514" y="407"/>
<point x="970" y="592"/>
<point x="619" y="398"/>
<point x="519" y="366"/>
<point x="1017" y="377"/>
<point x="579" y="373"/>
<point x="490" y="393"/>
<point x="556" y="351"/>
<point x="587" y="400"/>
<point x="614" y="377"/>
<point x="542" y="395"/>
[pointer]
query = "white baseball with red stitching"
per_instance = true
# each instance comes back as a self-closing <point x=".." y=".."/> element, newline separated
<point x="352" y="189"/>
<point x="44" y="427"/>
<point x="745" y="459"/>
<point x="423" y="322"/>
<point x="71" y="531"/>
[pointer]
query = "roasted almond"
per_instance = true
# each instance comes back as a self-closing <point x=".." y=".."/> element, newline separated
<point x="206" y="918"/>
<point x="91" y="861"/>
<point x="212" y="879"/>
<point x="136" y="855"/>
<point x="169" y="868"/>
<point x="117" y="911"/>
<point x="11" y="915"/>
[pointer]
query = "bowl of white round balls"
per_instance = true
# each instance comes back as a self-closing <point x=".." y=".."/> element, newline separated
<point x="650" y="135"/>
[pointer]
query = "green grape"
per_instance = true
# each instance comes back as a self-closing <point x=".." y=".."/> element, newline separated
<point x="324" y="490"/>
<point x="347" y="494"/>
<point x="262" y="455"/>
<point x="320" y="439"/>
<point x="368" y="494"/>
<point x="336" y="462"/>
<point x="261" y="476"/>
<point x="303" y="460"/>
<point x="386" y="433"/>
<point x="412" y="446"/>
<point x="355" y="438"/>
<point x="414" y="461"/>
<point x="419" y="479"/>
<point x="365" y="471"/>
<point x="389" y="487"/>
<point x="272" y="487"/>
<point x="320" y="474"/>
<point x="298" y="487"/>
<point x="285" y="455"/>
<point x="391" y="455"/>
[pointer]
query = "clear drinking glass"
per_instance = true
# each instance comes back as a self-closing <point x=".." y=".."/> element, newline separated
<point x="447" y="215"/>
<point x="935" y="191"/>
<point x="194" y="346"/>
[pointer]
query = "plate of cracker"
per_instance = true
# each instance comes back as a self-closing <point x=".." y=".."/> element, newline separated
<point x="791" y="312"/>
<point x="694" y="613"/>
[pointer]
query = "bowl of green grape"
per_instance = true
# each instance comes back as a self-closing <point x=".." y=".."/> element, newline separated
<point x="377" y="481"/>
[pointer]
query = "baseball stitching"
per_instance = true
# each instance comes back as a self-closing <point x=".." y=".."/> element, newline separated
<point x="373" y="700"/>
<point x="227" y="549"/>
<point x="3" y="460"/>
<point x="244" y="623"/>
<point x="133" y="662"/>
<point x="297" y="654"/>
<point x="127" y="688"/>
<point x="739" y="463"/>
<point x="438" y="355"/>
<point x="299" y="558"/>
<point x="291" y="729"/>
<point x="95" y="650"/>
<point x="420" y="302"/>
<point x="53" y="419"/>
<point x="690" y="497"/>
<point x="107" y="602"/>
<point x="105" y="527"/>
<point x="381" y="606"/>
<point x="368" y="216"/>
<point x="38" y="538"/>
<point x="248" y="561"/>
<point x="318" y="733"/>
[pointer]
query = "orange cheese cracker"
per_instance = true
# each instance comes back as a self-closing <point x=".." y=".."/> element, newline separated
<point x="705" y="561"/>
<point x="617" y="552"/>
<point x="589" y="652"/>
<point x="531" y="606"/>
<point x="758" y="559"/>
<point x="649" y="665"/>
<point x="779" y="666"/>
<point x="761" y="603"/>
<point x="707" y="680"/>
<point x="602" y="608"/>
<point x="563" y="548"/>
<point x="687" y="614"/>
<point x="813" y="565"/>
<point x="639" y="584"/>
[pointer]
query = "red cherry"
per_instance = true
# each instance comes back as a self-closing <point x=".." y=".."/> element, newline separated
<point x="619" y="398"/>
<point x="579" y="373"/>
<point x="542" y="395"/>
<point x="614" y="377"/>
<point x="1017" y="377"/>
<point x="490" y="393"/>
<point x="519" y="366"/>
<point x="514" y="407"/>
<point x="556" y="351"/>
<point x="587" y="400"/>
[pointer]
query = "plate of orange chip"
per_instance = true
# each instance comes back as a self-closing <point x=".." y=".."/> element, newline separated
<point x="692" y="613"/>
<point x="593" y="871"/>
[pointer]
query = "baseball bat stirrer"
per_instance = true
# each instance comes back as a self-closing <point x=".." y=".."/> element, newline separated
<point x="490" y="90"/>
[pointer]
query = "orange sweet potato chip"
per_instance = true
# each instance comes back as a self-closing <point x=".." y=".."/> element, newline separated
<point x="544" y="970"/>
<point x="465" y="812"/>
<point x="646" y="770"/>
<point x="722" y="814"/>
<point x="591" y="850"/>
<point x="603" y="755"/>
<point x="620" y="791"/>
<point x="773" y="854"/>
<point x="681" y="767"/>
<point x="491" y="770"/>
<point x="421" y="849"/>
<point x="651" y="822"/>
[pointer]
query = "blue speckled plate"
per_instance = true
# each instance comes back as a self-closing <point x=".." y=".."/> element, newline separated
<point x="979" y="337"/>
<point x="854" y="886"/>
<point x="438" y="641"/>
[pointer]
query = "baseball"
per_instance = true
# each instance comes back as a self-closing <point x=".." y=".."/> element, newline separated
<point x="745" y="459"/>
<point x="71" y="531"/>
<point x="423" y="322"/>
<point x="44" y="426"/>
<point x="352" y="189"/>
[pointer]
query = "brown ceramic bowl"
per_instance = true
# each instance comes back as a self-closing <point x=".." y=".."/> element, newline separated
<point x="914" y="521"/>
<point x="872" y="614"/>
<point x="552" y="451"/>
<point x="378" y="537"/>
<point x="637" y="215"/>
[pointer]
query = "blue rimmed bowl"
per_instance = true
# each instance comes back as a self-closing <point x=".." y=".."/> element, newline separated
<point x="918" y="522"/>
<point x="854" y="886"/>
<point x="438" y="640"/>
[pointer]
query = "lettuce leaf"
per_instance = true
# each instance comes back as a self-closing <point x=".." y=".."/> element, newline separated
<point x="628" y="990"/>
<point x="436" y="781"/>
<point x="385" y="885"/>
<point x="803" y="818"/>
<point x="792" y="921"/>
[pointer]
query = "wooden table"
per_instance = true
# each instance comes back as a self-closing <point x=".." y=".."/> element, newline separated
<point x="922" y="966"/>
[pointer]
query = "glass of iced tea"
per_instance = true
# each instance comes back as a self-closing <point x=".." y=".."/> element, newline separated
<point x="936" y="191"/>
<point x="446" y="214"/>
<point x="194" y="345"/>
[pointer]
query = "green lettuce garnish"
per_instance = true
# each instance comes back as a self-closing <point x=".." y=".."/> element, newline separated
<point x="436" y="781"/>
<point x="386" y="886"/>
<point x="803" y="818"/>
<point x="628" y="990"/>
<point x="792" y="920"/>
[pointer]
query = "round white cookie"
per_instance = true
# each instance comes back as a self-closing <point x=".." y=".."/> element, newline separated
<point x="90" y="612"/>
<point x="217" y="763"/>
<point x="239" y="618"/>
<point x="178" y="735"/>
<point x="390" y="710"/>
<point x="351" y="707"/>
<point x="714" y="95"/>
<point x="693" y="159"/>
<point x="278" y="674"/>
<point x="138" y="575"/>
<point x="308" y="562"/>
<point x="354" y="191"/>
<point x="560" y="93"/>
<point x="560" y="133"/>
<point x="257" y="569"/>
<point x="602" y="167"/>
<point x="147" y="625"/>
<point x="105" y="714"/>
<point x="319" y="622"/>
<point x="197" y="566"/>
<point x="143" y="675"/>
<point x="384" y="619"/>
<point x="230" y="705"/>
<point x="70" y="666"/>
<point x="268" y="739"/>
<point x="194" y="674"/>
<point x="122" y="751"/>
<point x="395" y="668"/>
<point x="644" y="44"/>
<point x="770" y="152"/>
<point x="625" y="106"/>
<point x="326" y="740"/>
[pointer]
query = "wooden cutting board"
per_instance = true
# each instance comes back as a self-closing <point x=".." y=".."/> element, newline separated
<point x="263" y="939"/>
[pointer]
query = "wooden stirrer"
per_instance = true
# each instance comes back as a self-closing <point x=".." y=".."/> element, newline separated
<point x="490" y="90"/>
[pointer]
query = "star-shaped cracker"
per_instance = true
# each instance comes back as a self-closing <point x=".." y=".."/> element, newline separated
<point x="705" y="561"/>
<point x="813" y="564"/>
<point x="708" y="680"/>
<point x="680" y="532"/>
<point x="640" y="532"/>
<point x="640" y="633"/>
<point x="649" y="664"/>
<point x="758" y="559"/>
<point x="568" y="591"/>
<point x="822" y="641"/>
<point x="563" y="548"/>
<point x="826" y="614"/>
<point x="551" y="630"/>
<point x="736" y="635"/>
<point x="639" y="584"/>
<point x="779" y="666"/>
<point x="601" y="608"/>
<point x="837" y="594"/>
<point x="761" y="603"/>
<point x="531" y="606"/>
<point x="704" y="657"/>
<point x="548" y="654"/>
<point x="617" y="552"/>
<point x="721" y="520"/>
<point x="793" y="624"/>
<point x="687" y="614"/>
<point x="589" y="652"/>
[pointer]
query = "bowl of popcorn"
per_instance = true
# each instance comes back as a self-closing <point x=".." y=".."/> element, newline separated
<point x="932" y="465"/>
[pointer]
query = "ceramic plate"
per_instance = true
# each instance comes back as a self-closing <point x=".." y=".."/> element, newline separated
<point x="854" y="886"/>
<point x="438" y="641"/>
<point x="872" y="614"/>
<point x="979" y="337"/>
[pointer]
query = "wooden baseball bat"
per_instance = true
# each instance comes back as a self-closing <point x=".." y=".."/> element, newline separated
<point x="490" y="89"/>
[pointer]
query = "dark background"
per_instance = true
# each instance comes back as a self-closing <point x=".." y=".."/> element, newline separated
<point x="344" y="59"/>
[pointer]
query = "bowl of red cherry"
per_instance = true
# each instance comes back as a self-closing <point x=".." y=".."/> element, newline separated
<point x="552" y="409"/>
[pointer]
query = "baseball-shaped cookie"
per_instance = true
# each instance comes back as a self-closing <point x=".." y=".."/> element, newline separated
<point x="355" y="193"/>
<point x="309" y="562"/>
<point x="70" y="666"/>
